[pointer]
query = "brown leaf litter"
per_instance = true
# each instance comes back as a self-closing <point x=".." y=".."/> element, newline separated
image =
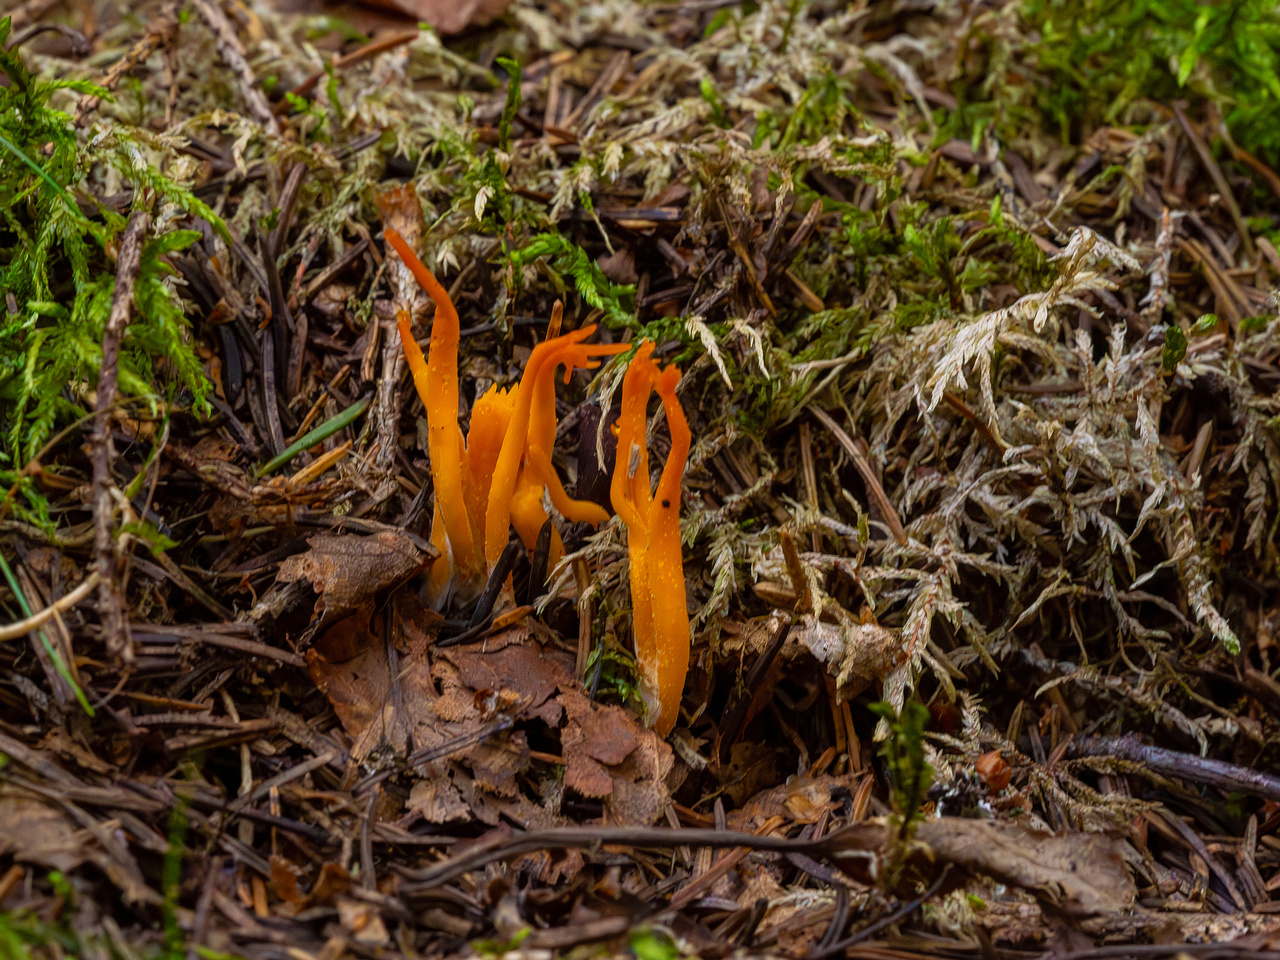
<point x="983" y="420"/>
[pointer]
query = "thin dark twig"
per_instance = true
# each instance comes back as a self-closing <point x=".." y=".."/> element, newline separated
<point x="288" y="206"/>
<point x="368" y="878"/>
<point x="270" y="408"/>
<point x="278" y="328"/>
<point x="747" y="934"/>
<point x="897" y="916"/>
<point x="1185" y="766"/>
<point x="540" y="558"/>
<point x="736" y="715"/>
<point x="839" y="919"/>
<point x="1195" y="843"/>
<point x="102" y="451"/>
<point x="1220" y="949"/>
<point x="484" y="606"/>
<point x="203" y="906"/>
<point x="501" y="848"/>
<point x="430" y="754"/>
<point x="874" y="488"/>
<point x="80" y="46"/>
<point x="1219" y="179"/>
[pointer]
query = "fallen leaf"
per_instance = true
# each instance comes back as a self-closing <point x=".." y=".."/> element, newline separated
<point x="1082" y="874"/>
<point x="620" y="267"/>
<point x="447" y="18"/>
<point x="994" y="770"/>
<point x="32" y="832"/>
<point x="379" y="711"/>
<point x="349" y="570"/>
<point x="364" y="922"/>
<point x="802" y="799"/>
<point x="284" y="880"/>
<point x="515" y="661"/>
<point x="857" y="655"/>
<point x="752" y="767"/>
<point x="332" y="882"/>
<point x="435" y="800"/>
<point x="641" y="793"/>
<point x="608" y="756"/>
<point x="584" y="772"/>
<point x="496" y="765"/>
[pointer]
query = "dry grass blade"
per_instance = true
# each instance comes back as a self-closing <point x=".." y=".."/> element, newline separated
<point x="874" y="488"/>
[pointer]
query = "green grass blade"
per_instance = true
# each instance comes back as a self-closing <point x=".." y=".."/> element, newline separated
<point x="322" y="432"/>
<point x="13" y="148"/>
<point x="58" y="663"/>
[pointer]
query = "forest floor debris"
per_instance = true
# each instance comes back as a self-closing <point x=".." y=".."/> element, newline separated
<point x="976" y="312"/>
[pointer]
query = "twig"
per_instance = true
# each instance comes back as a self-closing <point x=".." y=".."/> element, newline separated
<point x="1219" y="180"/>
<point x="1157" y="297"/>
<point x="101" y="449"/>
<point x="503" y="848"/>
<point x="160" y="31"/>
<point x="1195" y="843"/>
<point x="874" y="487"/>
<point x="79" y="45"/>
<point x="25" y="13"/>
<point x="14" y="631"/>
<point x="736" y="715"/>
<point x="252" y="647"/>
<point x="1185" y="766"/>
<point x="1257" y="166"/>
<point x="372" y="49"/>
<point x="368" y="878"/>
<point x="233" y="55"/>
<point x="840" y="946"/>
<point x="1224" y="948"/>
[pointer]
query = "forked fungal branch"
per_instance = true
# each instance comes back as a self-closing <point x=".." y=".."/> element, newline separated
<point x="660" y="619"/>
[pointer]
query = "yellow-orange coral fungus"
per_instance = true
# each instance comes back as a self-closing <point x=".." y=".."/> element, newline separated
<point x="533" y="408"/>
<point x="440" y="396"/>
<point x="496" y="478"/>
<point x="660" y="619"/>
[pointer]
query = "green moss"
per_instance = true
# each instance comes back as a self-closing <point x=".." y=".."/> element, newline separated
<point x="57" y="274"/>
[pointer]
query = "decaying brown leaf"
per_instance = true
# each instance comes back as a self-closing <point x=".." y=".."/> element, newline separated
<point x="514" y="661"/>
<point x="802" y="799"/>
<point x="351" y="664"/>
<point x="435" y="800"/>
<point x="447" y="18"/>
<point x="856" y="654"/>
<point x="34" y="832"/>
<point x="994" y="770"/>
<point x="608" y="756"/>
<point x="349" y="570"/>
<point x="1080" y="875"/>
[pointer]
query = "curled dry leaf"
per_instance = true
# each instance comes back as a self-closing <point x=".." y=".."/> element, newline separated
<point x="348" y="570"/>
<point x="363" y="922"/>
<point x="802" y="799"/>
<point x="32" y="831"/>
<point x="1081" y="875"/>
<point x="994" y="770"/>
<point x="620" y="267"/>
<point x="856" y="654"/>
